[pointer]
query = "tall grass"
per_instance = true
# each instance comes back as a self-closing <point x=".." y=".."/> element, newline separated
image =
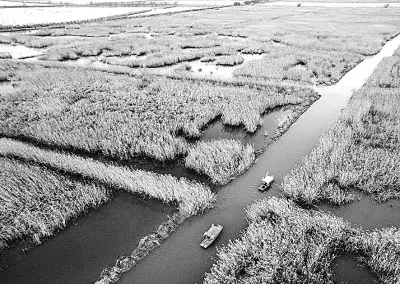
<point x="387" y="74"/>
<point x="282" y="244"/>
<point x="380" y="250"/>
<point x="123" y="116"/>
<point x="5" y="55"/>
<point x="230" y="60"/>
<point x="191" y="197"/>
<point x="359" y="152"/>
<point x="36" y="202"/>
<point x="286" y="244"/>
<point x="220" y="159"/>
<point x="290" y="63"/>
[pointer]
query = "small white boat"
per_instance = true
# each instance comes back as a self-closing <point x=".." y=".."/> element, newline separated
<point x="211" y="235"/>
<point x="266" y="182"/>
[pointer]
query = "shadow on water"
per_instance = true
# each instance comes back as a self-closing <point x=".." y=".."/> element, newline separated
<point x="218" y="130"/>
<point x="81" y="251"/>
<point x="180" y="259"/>
<point x="347" y="270"/>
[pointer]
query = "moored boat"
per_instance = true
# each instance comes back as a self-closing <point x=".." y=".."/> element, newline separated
<point x="266" y="182"/>
<point x="210" y="235"/>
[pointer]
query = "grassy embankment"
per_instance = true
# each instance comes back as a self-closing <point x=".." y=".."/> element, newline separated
<point x="124" y="117"/>
<point x="48" y="207"/>
<point x="361" y="151"/>
<point x="287" y="244"/>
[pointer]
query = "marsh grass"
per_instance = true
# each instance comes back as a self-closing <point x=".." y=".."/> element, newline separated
<point x="36" y="202"/>
<point x="221" y="159"/>
<point x="359" y="152"/>
<point x="122" y="116"/>
<point x="284" y="243"/>
<point x="290" y="63"/>
<point x="230" y="60"/>
<point x="191" y="197"/>
<point x="5" y="55"/>
<point x="48" y="200"/>
<point x="380" y="250"/>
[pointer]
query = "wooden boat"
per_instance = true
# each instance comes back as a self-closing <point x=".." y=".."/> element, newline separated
<point x="211" y="235"/>
<point x="266" y="182"/>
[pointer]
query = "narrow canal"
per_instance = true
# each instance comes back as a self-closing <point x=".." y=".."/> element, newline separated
<point x="180" y="259"/>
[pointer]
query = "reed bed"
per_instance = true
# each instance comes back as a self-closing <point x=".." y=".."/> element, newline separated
<point x="282" y="244"/>
<point x="5" y="55"/>
<point x="221" y="159"/>
<point x="191" y="197"/>
<point x="155" y="60"/>
<point x="294" y="64"/>
<point x="360" y="152"/>
<point x="387" y="75"/>
<point x="36" y="202"/>
<point x="380" y="250"/>
<point x="124" y="117"/>
<point x="287" y="244"/>
<point x="230" y="60"/>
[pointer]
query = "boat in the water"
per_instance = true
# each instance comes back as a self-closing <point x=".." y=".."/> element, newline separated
<point x="210" y="235"/>
<point x="266" y="182"/>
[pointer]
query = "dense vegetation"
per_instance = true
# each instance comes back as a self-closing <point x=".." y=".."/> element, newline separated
<point x="309" y="51"/>
<point x="289" y="63"/>
<point x="124" y="116"/>
<point x="361" y="151"/>
<point x="220" y="159"/>
<point x="35" y="202"/>
<point x="191" y="197"/>
<point x="287" y="244"/>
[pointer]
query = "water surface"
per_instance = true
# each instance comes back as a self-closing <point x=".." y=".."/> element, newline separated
<point x="91" y="243"/>
<point x="180" y="259"/>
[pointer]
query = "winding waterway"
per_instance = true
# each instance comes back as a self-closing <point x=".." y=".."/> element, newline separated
<point x="79" y="253"/>
<point x="180" y="259"/>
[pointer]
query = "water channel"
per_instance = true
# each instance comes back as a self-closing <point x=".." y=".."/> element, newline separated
<point x="180" y="259"/>
<point x="93" y="242"/>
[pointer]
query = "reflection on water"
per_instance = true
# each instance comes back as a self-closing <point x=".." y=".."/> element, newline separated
<point x="200" y="69"/>
<point x="347" y="270"/>
<point x="81" y="251"/>
<point x="217" y="130"/>
<point x="19" y="51"/>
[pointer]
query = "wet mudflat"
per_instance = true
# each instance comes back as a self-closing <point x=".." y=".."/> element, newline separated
<point x="81" y="251"/>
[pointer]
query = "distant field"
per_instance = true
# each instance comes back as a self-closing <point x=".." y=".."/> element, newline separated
<point x="342" y="1"/>
<point x="295" y="45"/>
<point x="179" y="2"/>
<point x="14" y="3"/>
<point x="24" y="16"/>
